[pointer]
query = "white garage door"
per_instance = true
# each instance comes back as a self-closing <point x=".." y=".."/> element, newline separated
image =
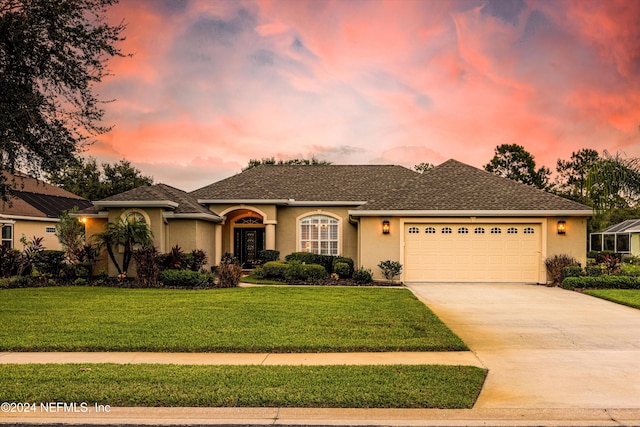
<point x="506" y="253"/>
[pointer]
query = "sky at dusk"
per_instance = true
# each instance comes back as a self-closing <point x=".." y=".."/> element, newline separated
<point x="212" y="84"/>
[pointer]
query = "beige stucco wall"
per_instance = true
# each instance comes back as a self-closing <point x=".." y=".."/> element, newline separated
<point x="375" y="246"/>
<point x="573" y="243"/>
<point x="31" y="229"/>
<point x="192" y="234"/>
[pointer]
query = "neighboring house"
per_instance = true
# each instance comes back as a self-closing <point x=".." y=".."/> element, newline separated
<point x="454" y="223"/>
<point x="623" y="238"/>
<point x="33" y="210"/>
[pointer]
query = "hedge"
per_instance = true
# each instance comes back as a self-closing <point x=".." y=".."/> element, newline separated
<point x="601" y="282"/>
<point x="185" y="279"/>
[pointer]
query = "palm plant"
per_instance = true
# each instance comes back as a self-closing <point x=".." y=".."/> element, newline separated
<point x="127" y="234"/>
<point x="613" y="182"/>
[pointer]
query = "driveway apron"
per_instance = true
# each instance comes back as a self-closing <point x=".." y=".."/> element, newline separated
<point x="544" y="347"/>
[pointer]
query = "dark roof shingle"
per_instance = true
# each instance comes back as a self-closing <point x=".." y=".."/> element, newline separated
<point x="329" y="183"/>
<point x="455" y="186"/>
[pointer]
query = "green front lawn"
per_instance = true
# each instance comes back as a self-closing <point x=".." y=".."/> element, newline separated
<point x="629" y="297"/>
<point x="390" y="386"/>
<point x="259" y="319"/>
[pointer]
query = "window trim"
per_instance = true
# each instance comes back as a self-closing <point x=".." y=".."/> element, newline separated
<point x="301" y="218"/>
<point x="8" y="240"/>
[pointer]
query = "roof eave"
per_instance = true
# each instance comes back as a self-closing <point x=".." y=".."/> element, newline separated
<point x="200" y="216"/>
<point x="281" y="202"/>
<point x="137" y="204"/>
<point x="463" y="213"/>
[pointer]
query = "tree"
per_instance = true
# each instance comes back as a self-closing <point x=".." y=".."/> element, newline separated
<point x="71" y="233"/>
<point x="423" y="167"/>
<point x="613" y="182"/>
<point x="272" y="161"/>
<point x="571" y="181"/>
<point x="85" y="178"/>
<point x="52" y="53"/>
<point x="514" y="162"/>
<point x="126" y="233"/>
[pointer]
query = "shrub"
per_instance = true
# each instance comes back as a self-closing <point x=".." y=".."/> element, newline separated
<point x="342" y="269"/>
<point x="274" y="270"/>
<point x="147" y="266"/>
<point x="50" y="263"/>
<point x="229" y="273"/>
<point x="362" y="276"/>
<point x="345" y="260"/>
<point x="611" y="264"/>
<point x="633" y="260"/>
<point x="80" y="281"/>
<point x="268" y="255"/>
<point x="294" y="271"/>
<point x="572" y="271"/>
<point x="185" y="279"/>
<point x="630" y="270"/>
<point x="390" y="269"/>
<point x="314" y="273"/>
<point x="83" y="269"/>
<point x="10" y="260"/>
<point x="601" y="256"/>
<point x="195" y="260"/>
<point x="601" y="282"/>
<point x="310" y="258"/>
<point x="173" y="259"/>
<point x="592" y="254"/>
<point x="594" y="270"/>
<point x="556" y="264"/>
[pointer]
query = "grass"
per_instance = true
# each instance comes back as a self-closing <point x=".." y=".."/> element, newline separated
<point x="386" y="386"/>
<point x="628" y="297"/>
<point x="259" y="319"/>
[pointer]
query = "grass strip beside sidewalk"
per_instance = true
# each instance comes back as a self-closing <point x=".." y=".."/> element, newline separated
<point x="628" y="297"/>
<point x="340" y="386"/>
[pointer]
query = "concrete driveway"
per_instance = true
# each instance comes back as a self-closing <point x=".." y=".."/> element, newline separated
<point x="544" y="347"/>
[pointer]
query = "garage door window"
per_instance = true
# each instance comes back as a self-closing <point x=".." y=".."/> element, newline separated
<point x="478" y="230"/>
<point x="319" y="234"/>
<point x="447" y="230"/>
<point x="496" y="230"/>
<point x="414" y="230"/>
<point x="529" y="230"/>
<point x="430" y="230"/>
<point x="463" y="230"/>
<point x="512" y="230"/>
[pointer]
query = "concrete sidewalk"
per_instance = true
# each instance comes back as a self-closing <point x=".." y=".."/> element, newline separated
<point x="387" y="358"/>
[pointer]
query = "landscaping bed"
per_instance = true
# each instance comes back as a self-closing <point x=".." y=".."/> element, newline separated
<point x="255" y="319"/>
<point x="336" y="386"/>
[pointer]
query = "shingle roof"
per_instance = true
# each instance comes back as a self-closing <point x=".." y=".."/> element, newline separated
<point x="329" y="183"/>
<point x="630" y="225"/>
<point x="34" y="198"/>
<point x="182" y="202"/>
<point x="455" y="186"/>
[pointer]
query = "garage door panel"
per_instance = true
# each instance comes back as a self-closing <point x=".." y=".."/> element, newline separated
<point x="502" y="253"/>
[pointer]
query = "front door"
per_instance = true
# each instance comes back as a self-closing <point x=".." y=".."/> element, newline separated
<point x="248" y="244"/>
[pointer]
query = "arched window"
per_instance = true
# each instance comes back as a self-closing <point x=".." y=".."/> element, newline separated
<point x="529" y="230"/>
<point x="512" y="230"/>
<point x="430" y="230"/>
<point x="463" y="230"/>
<point x="319" y="234"/>
<point x="496" y="230"/>
<point x="414" y="230"/>
<point x="478" y="230"/>
<point x="135" y="216"/>
<point x="447" y="230"/>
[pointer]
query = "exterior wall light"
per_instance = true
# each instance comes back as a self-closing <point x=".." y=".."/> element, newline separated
<point x="386" y="227"/>
<point x="562" y="227"/>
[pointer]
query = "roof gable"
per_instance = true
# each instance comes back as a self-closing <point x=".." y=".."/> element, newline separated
<point x="455" y="186"/>
<point x="158" y="195"/>
<point x="307" y="183"/>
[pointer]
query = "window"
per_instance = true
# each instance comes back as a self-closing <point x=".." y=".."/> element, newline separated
<point x="414" y="230"/>
<point x="135" y="216"/>
<point x="529" y="230"/>
<point x="319" y="235"/>
<point x="50" y="230"/>
<point x="447" y="230"/>
<point x="249" y="220"/>
<point x="430" y="230"/>
<point x="7" y="235"/>
<point x="463" y="230"/>
<point x="479" y="230"/>
<point x="496" y="230"/>
<point x="512" y="230"/>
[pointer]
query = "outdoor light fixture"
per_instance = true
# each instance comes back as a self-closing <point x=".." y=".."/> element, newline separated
<point x="562" y="227"/>
<point x="385" y="227"/>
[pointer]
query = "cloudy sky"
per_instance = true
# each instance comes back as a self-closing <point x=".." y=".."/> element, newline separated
<point x="212" y="84"/>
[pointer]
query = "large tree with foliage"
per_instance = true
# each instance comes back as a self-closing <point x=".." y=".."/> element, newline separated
<point x="52" y="53"/>
<point x="571" y="181"/>
<point x="272" y="161"/>
<point x="85" y="178"/>
<point x="614" y="182"/>
<point x="514" y="162"/>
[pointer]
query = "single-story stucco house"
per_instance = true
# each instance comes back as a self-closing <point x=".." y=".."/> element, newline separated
<point x="455" y="223"/>
<point x="33" y="210"/>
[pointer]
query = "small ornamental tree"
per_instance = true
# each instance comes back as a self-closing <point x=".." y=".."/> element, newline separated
<point x="70" y="232"/>
<point x="390" y="269"/>
<point x="128" y="234"/>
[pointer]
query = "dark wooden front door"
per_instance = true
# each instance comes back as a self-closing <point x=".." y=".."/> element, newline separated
<point x="248" y="244"/>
